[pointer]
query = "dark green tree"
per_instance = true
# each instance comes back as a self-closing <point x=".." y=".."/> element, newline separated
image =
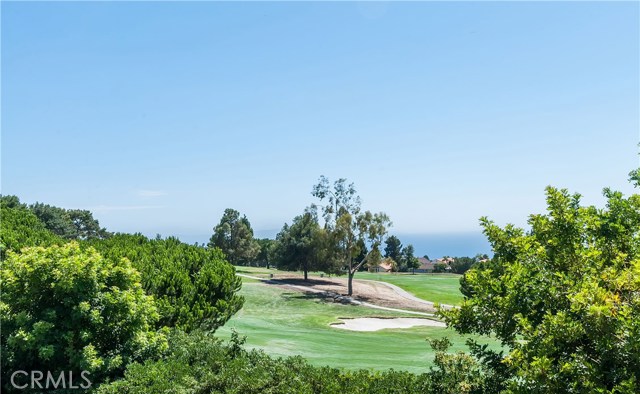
<point x="265" y="255"/>
<point x="409" y="260"/>
<point x="393" y="248"/>
<point x="69" y="223"/>
<point x="234" y="236"/>
<point x="194" y="287"/>
<point x="302" y="246"/>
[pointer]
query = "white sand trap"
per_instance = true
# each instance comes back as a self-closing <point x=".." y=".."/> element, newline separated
<point x="376" y="323"/>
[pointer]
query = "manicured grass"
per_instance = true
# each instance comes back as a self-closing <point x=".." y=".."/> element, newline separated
<point x="442" y="288"/>
<point x="283" y="323"/>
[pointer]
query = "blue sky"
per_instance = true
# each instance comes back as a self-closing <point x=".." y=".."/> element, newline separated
<point x="158" y="116"/>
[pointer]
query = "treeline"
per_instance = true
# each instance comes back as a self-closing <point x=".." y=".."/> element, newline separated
<point x="77" y="298"/>
<point x="137" y="315"/>
<point x="563" y="298"/>
<point x="347" y="240"/>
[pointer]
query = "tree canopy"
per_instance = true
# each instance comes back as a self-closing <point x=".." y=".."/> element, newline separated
<point x="303" y="246"/>
<point x="564" y="297"/>
<point x="69" y="223"/>
<point x="194" y="287"/>
<point x="350" y="230"/>
<point x="234" y="236"/>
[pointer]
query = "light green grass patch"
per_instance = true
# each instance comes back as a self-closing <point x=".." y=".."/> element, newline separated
<point x="284" y="323"/>
<point x="442" y="288"/>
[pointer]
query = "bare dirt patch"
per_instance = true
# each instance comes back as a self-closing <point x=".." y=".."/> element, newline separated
<point x="335" y="289"/>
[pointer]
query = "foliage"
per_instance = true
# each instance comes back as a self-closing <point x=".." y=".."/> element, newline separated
<point x="202" y="364"/>
<point x="265" y="255"/>
<point x="69" y="223"/>
<point x="460" y="265"/>
<point x="439" y="268"/>
<point x="349" y="229"/>
<point x="409" y="261"/>
<point x="393" y="248"/>
<point x="194" y="286"/>
<point x="67" y="309"/>
<point x="564" y="297"/>
<point x="234" y="236"/>
<point x="20" y="227"/>
<point x="302" y="246"/>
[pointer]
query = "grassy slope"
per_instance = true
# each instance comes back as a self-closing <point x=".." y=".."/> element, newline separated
<point x="283" y="323"/>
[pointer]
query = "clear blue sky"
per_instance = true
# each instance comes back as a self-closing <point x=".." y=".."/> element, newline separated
<point x="158" y="116"/>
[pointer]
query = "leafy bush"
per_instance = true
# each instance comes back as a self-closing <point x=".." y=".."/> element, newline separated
<point x="563" y="297"/>
<point x="67" y="309"/>
<point x="194" y="286"/>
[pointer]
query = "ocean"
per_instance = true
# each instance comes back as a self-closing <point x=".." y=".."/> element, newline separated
<point x="434" y="245"/>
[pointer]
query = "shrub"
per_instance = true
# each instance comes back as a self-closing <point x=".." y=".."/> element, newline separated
<point x="67" y="309"/>
<point x="194" y="286"/>
<point x="20" y="227"/>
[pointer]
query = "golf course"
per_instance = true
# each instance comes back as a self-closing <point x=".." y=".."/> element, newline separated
<point x="285" y="321"/>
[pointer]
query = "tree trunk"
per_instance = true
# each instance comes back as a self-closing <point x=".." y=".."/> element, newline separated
<point x="350" y="288"/>
<point x="305" y="274"/>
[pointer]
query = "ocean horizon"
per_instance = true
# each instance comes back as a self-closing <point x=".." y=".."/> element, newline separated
<point x="434" y="245"/>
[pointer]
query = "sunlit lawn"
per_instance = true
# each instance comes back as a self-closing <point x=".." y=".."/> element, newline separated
<point x="442" y="288"/>
<point x="283" y="322"/>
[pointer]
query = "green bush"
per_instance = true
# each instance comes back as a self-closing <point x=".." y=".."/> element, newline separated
<point x="194" y="286"/>
<point x="564" y="297"/>
<point x="67" y="309"/>
<point x="20" y="227"/>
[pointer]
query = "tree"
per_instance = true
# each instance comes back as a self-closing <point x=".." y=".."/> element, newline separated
<point x="234" y="236"/>
<point x="69" y="223"/>
<point x="348" y="227"/>
<point x="439" y="268"/>
<point x="393" y="248"/>
<point x="301" y="245"/>
<point x="68" y="309"/>
<point x="409" y="260"/>
<point x="194" y="287"/>
<point x="460" y="265"/>
<point x="564" y="297"/>
<point x="265" y="255"/>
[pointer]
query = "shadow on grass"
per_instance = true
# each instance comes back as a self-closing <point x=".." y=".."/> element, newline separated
<point x="301" y="282"/>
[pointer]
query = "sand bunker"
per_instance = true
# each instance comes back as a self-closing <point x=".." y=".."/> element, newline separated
<point x="375" y="323"/>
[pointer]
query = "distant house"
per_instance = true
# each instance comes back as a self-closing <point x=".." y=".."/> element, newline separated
<point x="425" y="265"/>
<point x="385" y="265"/>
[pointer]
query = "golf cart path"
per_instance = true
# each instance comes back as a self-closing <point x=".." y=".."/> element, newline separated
<point x="396" y="289"/>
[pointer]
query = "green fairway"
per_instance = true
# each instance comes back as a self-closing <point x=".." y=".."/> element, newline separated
<point x="442" y="288"/>
<point x="283" y="323"/>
